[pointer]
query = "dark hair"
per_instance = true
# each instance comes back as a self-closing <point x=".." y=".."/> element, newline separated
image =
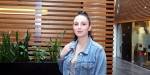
<point x="87" y="16"/>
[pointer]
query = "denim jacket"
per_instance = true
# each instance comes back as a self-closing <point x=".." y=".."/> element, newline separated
<point x="92" y="61"/>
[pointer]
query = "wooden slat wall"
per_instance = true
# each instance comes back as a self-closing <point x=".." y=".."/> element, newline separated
<point x="21" y="22"/>
<point x="133" y="10"/>
<point x="109" y="34"/>
<point x="60" y="16"/>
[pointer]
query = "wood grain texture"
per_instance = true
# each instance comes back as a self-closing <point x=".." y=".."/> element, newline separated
<point x="132" y="10"/>
<point x="60" y="17"/>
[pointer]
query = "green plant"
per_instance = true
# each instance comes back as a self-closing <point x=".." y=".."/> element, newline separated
<point x="7" y="50"/>
<point x="54" y="47"/>
<point x="40" y="54"/>
<point x="21" y="48"/>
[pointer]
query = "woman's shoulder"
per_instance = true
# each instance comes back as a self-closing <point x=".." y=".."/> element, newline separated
<point x="97" y="45"/>
<point x="99" y="49"/>
<point x="67" y="46"/>
<point x="65" y="50"/>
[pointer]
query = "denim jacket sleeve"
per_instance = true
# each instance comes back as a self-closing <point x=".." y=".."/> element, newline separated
<point x="61" y="61"/>
<point x="60" y="64"/>
<point x="100" y="63"/>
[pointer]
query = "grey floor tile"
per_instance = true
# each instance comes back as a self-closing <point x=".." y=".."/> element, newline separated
<point x="122" y="67"/>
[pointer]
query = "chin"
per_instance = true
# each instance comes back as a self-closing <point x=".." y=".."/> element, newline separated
<point x="80" y="36"/>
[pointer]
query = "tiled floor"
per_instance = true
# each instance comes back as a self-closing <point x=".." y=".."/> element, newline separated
<point x="122" y="67"/>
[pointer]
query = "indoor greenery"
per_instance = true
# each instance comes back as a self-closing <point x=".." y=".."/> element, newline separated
<point x="7" y="50"/>
<point x="21" y="48"/>
<point x="54" y="47"/>
<point x="14" y="51"/>
<point x="40" y="55"/>
<point x="17" y="51"/>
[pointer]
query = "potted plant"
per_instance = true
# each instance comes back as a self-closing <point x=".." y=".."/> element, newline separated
<point x="40" y="55"/>
<point x="21" y="48"/>
<point x="55" y="46"/>
<point x="18" y="52"/>
<point x="7" y="51"/>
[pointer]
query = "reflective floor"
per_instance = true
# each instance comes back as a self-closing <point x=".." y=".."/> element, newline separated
<point x="122" y="67"/>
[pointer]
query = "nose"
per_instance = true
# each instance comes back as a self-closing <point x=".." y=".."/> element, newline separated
<point x="79" y="26"/>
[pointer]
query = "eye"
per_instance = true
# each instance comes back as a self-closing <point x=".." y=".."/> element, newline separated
<point x="75" y="24"/>
<point x="84" y="24"/>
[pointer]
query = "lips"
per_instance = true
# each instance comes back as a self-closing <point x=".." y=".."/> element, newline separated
<point x="79" y="31"/>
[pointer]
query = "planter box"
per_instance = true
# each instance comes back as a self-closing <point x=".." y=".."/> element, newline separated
<point x="29" y="69"/>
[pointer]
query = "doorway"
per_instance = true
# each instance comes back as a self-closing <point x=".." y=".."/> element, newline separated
<point x="126" y="41"/>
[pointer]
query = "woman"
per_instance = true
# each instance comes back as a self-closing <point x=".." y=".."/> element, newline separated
<point x="82" y="56"/>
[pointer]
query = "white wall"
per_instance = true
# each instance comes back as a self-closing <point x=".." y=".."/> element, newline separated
<point x="117" y="41"/>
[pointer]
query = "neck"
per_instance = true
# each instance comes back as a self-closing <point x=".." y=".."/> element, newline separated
<point x="82" y="42"/>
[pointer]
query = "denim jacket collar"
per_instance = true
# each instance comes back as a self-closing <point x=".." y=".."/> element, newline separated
<point x="87" y="48"/>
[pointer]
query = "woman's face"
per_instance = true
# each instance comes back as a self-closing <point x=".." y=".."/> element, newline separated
<point x="81" y="26"/>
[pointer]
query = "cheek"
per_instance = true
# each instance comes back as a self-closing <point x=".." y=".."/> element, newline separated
<point x="74" y="28"/>
<point x="86" y="28"/>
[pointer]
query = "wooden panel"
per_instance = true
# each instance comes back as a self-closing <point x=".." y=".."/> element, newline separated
<point x="109" y="34"/>
<point x="132" y="10"/>
<point x="59" y="17"/>
<point x="73" y="1"/>
<point x="17" y="20"/>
